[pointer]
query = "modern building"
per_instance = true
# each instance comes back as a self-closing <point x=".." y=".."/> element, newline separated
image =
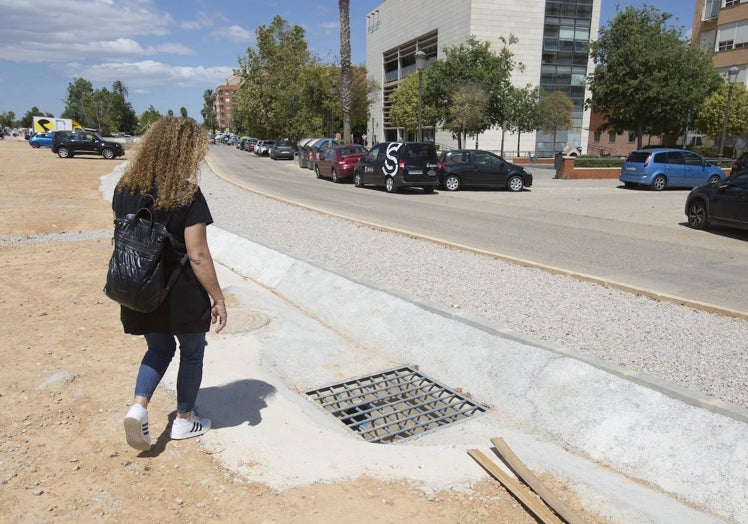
<point x="226" y="103"/>
<point x="552" y="40"/>
<point x="721" y="28"/>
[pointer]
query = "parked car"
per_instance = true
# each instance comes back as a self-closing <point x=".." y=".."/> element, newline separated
<point x="740" y="164"/>
<point x="257" y="150"/>
<point x="250" y="145"/>
<point x="283" y="149"/>
<point x="339" y="162"/>
<point x="67" y="144"/>
<point x="317" y="148"/>
<point x="266" y="146"/>
<point x="41" y="140"/>
<point x="659" y="168"/>
<point x="399" y="164"/>
<point x="722" y="203"/>
<point x="304" y="151"/>
<point x="475" y="168"/>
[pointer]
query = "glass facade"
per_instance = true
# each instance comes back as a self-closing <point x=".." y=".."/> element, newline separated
<point x="566" y="35"/>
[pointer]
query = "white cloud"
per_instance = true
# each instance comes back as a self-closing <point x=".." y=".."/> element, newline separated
<point x="150" y="73"/>
<point x="234" y="33"/>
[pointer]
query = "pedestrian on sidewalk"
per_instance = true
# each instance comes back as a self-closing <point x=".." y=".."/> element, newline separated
<point x="166" y="167"/>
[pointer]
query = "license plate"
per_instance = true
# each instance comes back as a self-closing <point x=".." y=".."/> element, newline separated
<point x="431" y="172"/>
<point x="415" y="172"/>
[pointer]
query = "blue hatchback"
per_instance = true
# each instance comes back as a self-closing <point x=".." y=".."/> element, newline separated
<point x="41" y="140"/>
<point x="661" y="168"/>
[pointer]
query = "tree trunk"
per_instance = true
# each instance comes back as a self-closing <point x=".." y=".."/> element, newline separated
<point x="345" y="67"/>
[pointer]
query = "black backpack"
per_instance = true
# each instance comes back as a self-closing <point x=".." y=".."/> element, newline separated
<point x="136" y="276"/>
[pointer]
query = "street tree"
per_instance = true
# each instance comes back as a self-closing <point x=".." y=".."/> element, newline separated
<point x="556" y="110"/>
<point x="711" y="118"/>
<point x="648" y="77"/>
<point x="8" y="119"/>
<point x="469" y="112"/>
<point x="523" y="113"/>
<point x="471" y="62"/>
<point x="79" y="92"/>
<point x="270" y="96"/>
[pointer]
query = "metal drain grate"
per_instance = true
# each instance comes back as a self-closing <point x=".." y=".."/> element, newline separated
<point x="394" y="405"/>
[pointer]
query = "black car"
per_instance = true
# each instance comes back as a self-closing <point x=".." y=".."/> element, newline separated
<point x="475" y="168"/>
<point x="721" y="203"/>
<point x="283" y="149"/>
<point x="740" y="164"/>
<point x="399" y="164"/>
<point x="67" y="144"/>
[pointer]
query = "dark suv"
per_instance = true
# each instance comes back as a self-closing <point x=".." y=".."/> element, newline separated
<point x="70" y="143"/>
<point x="740" y="164"/>
<point x="399" y="164"/>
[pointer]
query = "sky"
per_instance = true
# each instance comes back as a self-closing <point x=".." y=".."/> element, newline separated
<point x="168" y="52"/>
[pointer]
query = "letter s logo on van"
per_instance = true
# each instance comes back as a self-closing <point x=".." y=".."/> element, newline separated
<point x="390" y="161"/>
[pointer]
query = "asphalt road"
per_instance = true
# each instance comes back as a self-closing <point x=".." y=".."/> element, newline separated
<point x="594" y="228"/>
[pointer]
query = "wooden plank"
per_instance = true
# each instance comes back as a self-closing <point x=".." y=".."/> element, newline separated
<point x="529" y="478"/>
<point x="532" y="503"/>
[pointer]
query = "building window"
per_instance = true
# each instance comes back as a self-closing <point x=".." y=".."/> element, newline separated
<point x="612" y="137"/>
<point x="597" y="136"/>
<point x="724" y="46"/>
<point x="728" y="3"/>
<point x="632" y="137"/>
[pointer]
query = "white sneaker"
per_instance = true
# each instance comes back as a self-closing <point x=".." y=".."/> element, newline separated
<point x="192" y="426"/>
<point x="136" y="428"/>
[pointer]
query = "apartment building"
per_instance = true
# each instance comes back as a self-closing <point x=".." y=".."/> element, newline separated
<point x="552" y="39"/>
<point x="721" y="27"/>
<point x="226" y="103"/>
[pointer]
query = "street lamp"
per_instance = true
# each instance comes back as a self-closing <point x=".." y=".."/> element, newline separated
<point x="732" y="75"/>
<point x="420" y="66"/>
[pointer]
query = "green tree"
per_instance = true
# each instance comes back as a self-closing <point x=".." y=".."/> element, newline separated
<point x="208" y="111"/>
<point x="404" y="104"/>
<point x="120" y="88"/>
<point x="7" y="119"/>
<point x="79" y="91"/>
<point x="523" y="113"/>
<point x="271" y="96"/>
<point x="183" y="112"/>
<point x="469" y="111"/>
<point x="148" y="117"/>
<point x="556" y="110"/>
<point x="711" y="118"/>
<point x="472" y="62"/>
<point x="28" y="119"/>
<point x="648" y="78"/>
<point x="346" y="74"/>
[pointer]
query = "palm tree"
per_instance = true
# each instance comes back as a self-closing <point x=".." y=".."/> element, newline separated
<point x="345" y="66"/>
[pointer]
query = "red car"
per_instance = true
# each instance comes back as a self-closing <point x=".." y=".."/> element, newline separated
<point x="338" y="162"/>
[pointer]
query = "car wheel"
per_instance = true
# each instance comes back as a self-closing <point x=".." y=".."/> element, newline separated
<point x="698" y="218"/>
<point x="335" y="178"/>
<point x="357" y="180"/>
<point x="34" y="145"/>
<point x="63" y="152"/>
<point x="713" y="179"/>
<point x="389" y="185"/>
<point x="316" y="172"/>
<point x="452" y="183"/>
<point x="515" y="183"/>
<point x="107" y="153"/>
<point x="428" y="190"/>
<point x="659" y="183"/>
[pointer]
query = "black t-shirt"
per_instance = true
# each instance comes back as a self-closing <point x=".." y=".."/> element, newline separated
<point x="187" y="307"/>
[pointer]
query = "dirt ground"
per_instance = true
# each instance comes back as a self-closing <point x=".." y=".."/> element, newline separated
<point x="68" y="377"/>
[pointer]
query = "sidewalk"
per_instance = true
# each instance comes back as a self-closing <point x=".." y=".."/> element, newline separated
<point x="296" y="327"/>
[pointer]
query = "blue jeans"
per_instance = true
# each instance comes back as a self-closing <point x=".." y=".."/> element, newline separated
<point x="161" y="349"/>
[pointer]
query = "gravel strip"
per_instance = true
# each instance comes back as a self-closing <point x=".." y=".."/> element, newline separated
<point x="677" y="344"/>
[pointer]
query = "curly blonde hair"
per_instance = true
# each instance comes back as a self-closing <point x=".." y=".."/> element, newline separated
<point x="168" y="161"/>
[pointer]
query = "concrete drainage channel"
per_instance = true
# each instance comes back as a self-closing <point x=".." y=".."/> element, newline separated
<point x="394" y="405"/>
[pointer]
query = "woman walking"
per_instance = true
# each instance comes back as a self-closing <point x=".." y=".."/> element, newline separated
<point x="165" y="171"/>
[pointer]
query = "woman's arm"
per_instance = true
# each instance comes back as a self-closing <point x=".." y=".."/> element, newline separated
<point x="196" y="240"/>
